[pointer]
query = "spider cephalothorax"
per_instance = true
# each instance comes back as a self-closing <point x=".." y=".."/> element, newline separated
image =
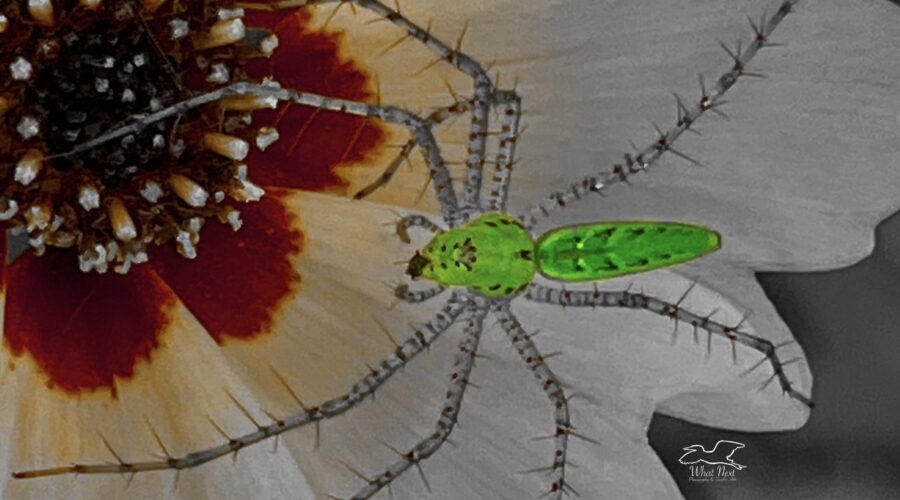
<point x="95" y="153"/>
<point x="492" y="255"/>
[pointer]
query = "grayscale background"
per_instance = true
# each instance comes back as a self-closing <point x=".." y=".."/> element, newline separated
<point x="848" y="322"/>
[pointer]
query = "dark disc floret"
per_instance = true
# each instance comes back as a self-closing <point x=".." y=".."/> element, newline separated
<point x="89" y="157"/>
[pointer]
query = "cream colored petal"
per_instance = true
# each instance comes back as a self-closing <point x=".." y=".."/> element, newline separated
<point x="796" y="179"/>
<point x="738" y="403"/>
<point x="185" y="385"/>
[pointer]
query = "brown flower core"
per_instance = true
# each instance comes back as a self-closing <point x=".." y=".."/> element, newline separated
<point x="95" y="152"/>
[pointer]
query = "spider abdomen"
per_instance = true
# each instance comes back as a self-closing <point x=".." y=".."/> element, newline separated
<point x="605" y="250"/>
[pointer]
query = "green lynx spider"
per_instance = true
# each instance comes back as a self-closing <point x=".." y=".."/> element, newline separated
<point x="466" y="303"/>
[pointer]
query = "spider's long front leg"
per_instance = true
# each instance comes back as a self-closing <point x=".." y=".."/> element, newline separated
<point x="459" y="380"/>
<point x="421" y="339"/>
<point x="436" y="117"/>
<point x="511" y="108"/>
<point x="647" y="157"/>
<point x="482" y="98"/>
<point x="551" y="387"/>
<point x="419" y="127"/>
<point x="630" y="300"/>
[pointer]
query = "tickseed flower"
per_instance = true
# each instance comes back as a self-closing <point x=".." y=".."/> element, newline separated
<point x="223" y="333"/>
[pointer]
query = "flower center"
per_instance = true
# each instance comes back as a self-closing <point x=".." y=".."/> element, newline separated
<point x="101" y="76"/>
<point x="97" y="150"/>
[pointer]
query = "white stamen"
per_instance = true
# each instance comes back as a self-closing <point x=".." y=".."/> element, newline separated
<point x="194" y="225"/>
<point x="128" y="96"/>
<point x="234" y="219"/>
<point x="121" y="221"/>
<point x="28" y="127"/>
<point x="180" y="28"/>
<point x="101" y="84"/>
<point x="185" y="247"/>
<point x="266" y="137"/>
<point x="129" y="258"/>
<point x="12" y="208"/>
<point x="139" y="60"/>
<point x="57" y="222"/>
<point x="88" y="198"/>
<point x="226" y="145"/>
<point x="29" y="166"/>
<point x="269" y="44"/>
<point x="189" y="191"/>
<point x="93" y="259"/>
<point x="152" y="192"/>
<point x="224" y="33"/>
<point x="20" y="69"/>
<point x="247" y="192"/>
<point x="219" y="196"/>
<point x="225" y="14"/>
<point x="219" y="74"/>
<point x="38" y="244"/>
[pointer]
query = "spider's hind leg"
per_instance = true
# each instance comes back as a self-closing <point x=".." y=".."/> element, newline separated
<point x="528" y="351"/>
<point x="631" y="300"/>
<point x="459" y="381"/>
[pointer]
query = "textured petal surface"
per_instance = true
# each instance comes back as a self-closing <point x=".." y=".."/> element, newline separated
<point x="51" y="427"/>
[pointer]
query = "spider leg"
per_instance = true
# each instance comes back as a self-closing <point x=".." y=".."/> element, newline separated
<point x="483" y="93"/>
<point x="436" y="117"/>
<point x="648" y="156"/>
<point x="528" y="351"/>
<point x="631" y="300"/>
<point x="415" y="220"/>
<point x="419" y="127"/>
<point x="511" y="109"/>
<point x="406" y="294"/>
<point x="459" y="381"/>
<point x="421" y="339"/>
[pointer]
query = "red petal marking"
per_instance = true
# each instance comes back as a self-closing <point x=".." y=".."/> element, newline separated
<point x="313" y="142"/>
<point x="2" y="257"/>
<point x="83" y="330"/>
<point x="238" y="280"/>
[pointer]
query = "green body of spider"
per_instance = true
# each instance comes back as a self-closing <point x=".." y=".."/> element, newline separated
<point x="497" y="257"/>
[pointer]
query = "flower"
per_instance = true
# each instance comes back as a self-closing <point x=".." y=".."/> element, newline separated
<point x="587" y="72"/>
